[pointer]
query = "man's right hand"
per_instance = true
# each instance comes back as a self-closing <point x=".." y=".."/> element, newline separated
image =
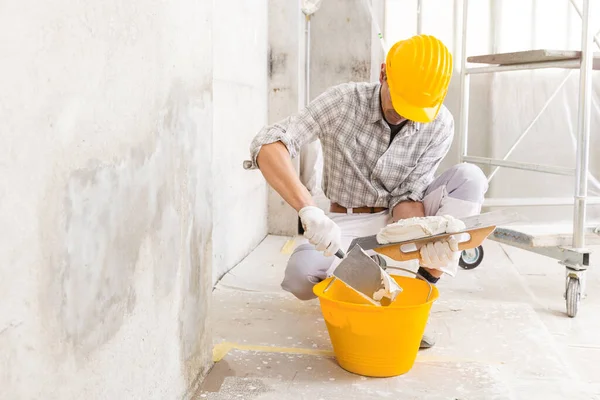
<point x="276" y="166"/>
<point x="320" y="230"/>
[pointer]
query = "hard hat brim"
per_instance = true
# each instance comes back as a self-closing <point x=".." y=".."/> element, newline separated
<point x="414" y="113"/>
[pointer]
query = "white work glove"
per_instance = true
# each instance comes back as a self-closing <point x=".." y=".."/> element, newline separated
<point x="320" y="230"/>
<point x="442" y="255"/>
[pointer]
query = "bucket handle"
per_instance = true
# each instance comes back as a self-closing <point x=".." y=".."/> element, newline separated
<point x="398" y="268"/>
<point x="417" y="276"/>
<point x="330" y="283"/>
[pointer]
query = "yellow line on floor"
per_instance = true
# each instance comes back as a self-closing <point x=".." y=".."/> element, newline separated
<point x="288" y="247"/>
<point x="220" y="350"/>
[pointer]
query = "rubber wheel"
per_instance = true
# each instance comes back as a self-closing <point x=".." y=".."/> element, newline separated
<point x="470" y="259"/>
<point x="573" y="296"/>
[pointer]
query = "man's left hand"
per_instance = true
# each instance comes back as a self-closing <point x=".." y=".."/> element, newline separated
<point x="441" y="254"/>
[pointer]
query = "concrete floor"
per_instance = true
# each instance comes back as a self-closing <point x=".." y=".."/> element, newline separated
<point x="502" y="333"/>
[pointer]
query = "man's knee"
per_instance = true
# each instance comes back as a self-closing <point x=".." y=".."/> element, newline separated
<point x="306" y="267"/>
<point x="467" y="182"/>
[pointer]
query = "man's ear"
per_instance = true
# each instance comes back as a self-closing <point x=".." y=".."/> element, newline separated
<point x="382" y="73"/>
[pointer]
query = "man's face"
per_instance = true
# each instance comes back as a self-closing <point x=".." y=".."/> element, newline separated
<point x="390" y="115"/>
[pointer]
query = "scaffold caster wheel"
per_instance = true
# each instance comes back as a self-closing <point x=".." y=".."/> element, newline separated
<point x="573" y="296"/>
<point x="471" y="258"/>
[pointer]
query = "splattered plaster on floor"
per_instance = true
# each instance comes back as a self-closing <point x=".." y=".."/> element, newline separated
<point x="502" y="334"/>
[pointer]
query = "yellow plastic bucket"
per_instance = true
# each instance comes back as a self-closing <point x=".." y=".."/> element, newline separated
<point x="376" y="341"/>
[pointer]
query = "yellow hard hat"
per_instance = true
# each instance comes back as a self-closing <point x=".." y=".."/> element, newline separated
<point x="418" y="73"/>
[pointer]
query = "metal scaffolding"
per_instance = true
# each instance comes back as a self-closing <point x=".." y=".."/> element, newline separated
<point x="573" y="255"/>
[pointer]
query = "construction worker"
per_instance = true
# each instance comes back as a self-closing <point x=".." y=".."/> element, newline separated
<point x="382" y="144"/>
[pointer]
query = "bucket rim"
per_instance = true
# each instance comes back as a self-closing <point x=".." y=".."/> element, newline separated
<point x="434" y="296"/>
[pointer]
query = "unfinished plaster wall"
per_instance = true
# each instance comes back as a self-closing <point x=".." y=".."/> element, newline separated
<point x="340" y="51"/>
<point x="285" y="91"/>
<point x="240" y="110"/>
<point x="340" y="45"/>
<point x="106" y="199"/>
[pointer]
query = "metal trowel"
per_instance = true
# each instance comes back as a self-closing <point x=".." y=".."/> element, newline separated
<point x="361" y="273"/>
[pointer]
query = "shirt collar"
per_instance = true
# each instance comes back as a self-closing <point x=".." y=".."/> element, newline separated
<point x="375" y="109"/>
<point x="375" y="113"/>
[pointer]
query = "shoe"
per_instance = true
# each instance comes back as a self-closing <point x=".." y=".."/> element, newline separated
<point x="428" y="339"/>
<point x="427" y="342"/>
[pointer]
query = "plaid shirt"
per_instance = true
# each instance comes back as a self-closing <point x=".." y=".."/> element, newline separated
<point x="360" y="166"/>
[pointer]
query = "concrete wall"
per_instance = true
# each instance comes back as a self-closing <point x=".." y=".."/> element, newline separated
<point x="340" y="51"/>
<point x="340" y="45"/>
<point x="240" y="106"/>
<point x="108" y="190"/>
<point x="285" y="91"/>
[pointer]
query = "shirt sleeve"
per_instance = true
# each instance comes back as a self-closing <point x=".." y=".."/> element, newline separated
<point x="414" y="186"/>
<point x="309" y="124"/>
